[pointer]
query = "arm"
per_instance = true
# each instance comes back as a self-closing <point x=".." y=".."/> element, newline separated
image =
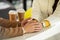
<point x="55" y="18"/>
<point x="10" y="32"/>
<point x="6" y="23"/>
<point x="9" y="29"/>
<point x="51" y="20"/>
<point x="36" y="12"/>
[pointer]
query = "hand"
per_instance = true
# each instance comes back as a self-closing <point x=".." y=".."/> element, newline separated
<point x="25" y="21"/>
<point x="28" y="20"/>
<point x="32" y="27"/>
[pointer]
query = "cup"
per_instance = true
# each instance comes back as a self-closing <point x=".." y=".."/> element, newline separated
<point x="20" y="14"/>
<point x="12" y="15"/>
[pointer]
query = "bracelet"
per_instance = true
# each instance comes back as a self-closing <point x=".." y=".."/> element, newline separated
<point x="46" y="23"/>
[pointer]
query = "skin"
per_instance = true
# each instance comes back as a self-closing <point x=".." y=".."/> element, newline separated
<point x="31" y="25"/>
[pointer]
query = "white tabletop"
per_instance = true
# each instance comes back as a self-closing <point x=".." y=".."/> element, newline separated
<point x="44" y="34"/>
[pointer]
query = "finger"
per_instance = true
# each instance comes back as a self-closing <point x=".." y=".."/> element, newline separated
<point x="37" y="27"/>
<point x="32" y="21"/>
<point x="36" y="30"/>
<point x="34" y="24"/>
<point x="40" y="27"/>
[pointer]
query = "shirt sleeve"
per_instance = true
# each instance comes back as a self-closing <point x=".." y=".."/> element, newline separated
<point x="54" y="19"/>
<point x="9" y="32"/>
<point x="2" y="30"/>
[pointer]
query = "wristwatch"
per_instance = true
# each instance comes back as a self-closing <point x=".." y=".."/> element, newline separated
<point x="45" y="23"/>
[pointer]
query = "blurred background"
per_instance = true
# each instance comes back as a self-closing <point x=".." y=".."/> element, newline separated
<point x="6" y="5"/>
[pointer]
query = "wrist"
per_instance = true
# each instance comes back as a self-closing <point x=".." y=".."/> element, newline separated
<point x="46" y="23"/>
<point x="23" y="30"/>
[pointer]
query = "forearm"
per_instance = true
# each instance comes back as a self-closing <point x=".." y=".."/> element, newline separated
<point x="54" y="19"/>
<point x="10" y="29"/>
<point x="11" y="32"/>
<point x="36" y="12"/>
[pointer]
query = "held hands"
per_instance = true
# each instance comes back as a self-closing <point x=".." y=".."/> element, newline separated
<point x="30" y="25"/>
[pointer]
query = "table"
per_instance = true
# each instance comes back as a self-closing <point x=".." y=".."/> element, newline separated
<point x="52" y="33"/>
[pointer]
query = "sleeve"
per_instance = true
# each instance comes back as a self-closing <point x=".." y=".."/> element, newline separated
<point x="0" y="34"/>
<point x="2" y="30"/>
<point x="36" y="12"/>
<point x="8" y="32"/>
<point x="54" y="19"/>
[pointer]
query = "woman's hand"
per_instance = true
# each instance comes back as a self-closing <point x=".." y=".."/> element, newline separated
<point x="27" y="21"/>
<point x="32" y="27"/>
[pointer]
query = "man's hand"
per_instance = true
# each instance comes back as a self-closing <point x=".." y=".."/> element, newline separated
<point x="32" y="27"/>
